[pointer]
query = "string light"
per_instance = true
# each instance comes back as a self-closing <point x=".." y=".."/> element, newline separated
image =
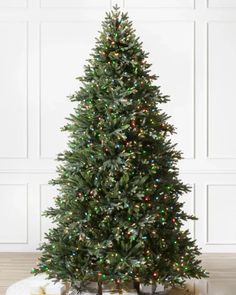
<point x="147" y="198"/>
<point x="154" y="274"/>
<point x="133" y="123"/>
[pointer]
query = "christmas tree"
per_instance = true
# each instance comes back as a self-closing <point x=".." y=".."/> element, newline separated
<point x="117" y="216"/>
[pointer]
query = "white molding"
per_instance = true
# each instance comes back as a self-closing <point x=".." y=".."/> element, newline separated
<point x="194" y="93"/>
<point x="158" y="6"/>
<point x="207" y="90"/>
<point x="51" y="171"/>
<point x="194" y="209"/>
<point x="192" y="229"/>
<point x="84" y="4"/>
<point x="28" y="171"/>
<point x="9" y="4"/>
<point x="40" y="210"/>
<point x="209" y="172"/>
<point x="41" y="232"/>
<point x="208" y="5"/>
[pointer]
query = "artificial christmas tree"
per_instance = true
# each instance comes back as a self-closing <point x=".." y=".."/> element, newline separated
<point x="118" y="217"/>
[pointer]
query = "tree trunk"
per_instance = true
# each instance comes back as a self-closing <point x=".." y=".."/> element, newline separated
<point x="154" y="287"/>
<point x="99" y="288"/>
<point x="137" y="287"/>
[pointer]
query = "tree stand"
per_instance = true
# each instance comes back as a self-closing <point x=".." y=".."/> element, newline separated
<point x="137" y="287"/>
<point x="99" y="288"/>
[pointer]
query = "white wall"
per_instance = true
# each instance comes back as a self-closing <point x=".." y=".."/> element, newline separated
<point x="44" y="45"/>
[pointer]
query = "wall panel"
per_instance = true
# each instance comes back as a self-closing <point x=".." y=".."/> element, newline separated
<point x="13" y="214"/>
<point x="173" y="50"/>
<point x="221" y="214"/>
<point x="13" y="90"/>
<point x="221" y="89"/>
<point x="64" y="50"/>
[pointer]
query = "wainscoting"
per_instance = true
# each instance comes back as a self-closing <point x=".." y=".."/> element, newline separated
<point x="192" y="48"/>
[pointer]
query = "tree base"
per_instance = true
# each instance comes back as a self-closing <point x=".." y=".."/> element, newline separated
<point x="74" y="292"/>
<point x="115" y="292"/>
<point x="156" y="293"/>
<point x="130" y="288"/>
<point x="155" y="289"/>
